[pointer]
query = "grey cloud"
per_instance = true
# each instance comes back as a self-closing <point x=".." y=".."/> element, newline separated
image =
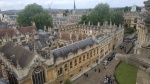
<point x="64" y="4"/>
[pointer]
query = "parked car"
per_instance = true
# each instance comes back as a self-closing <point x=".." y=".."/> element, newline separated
<point x="113" y="54"/>
<point x="121" y="47"/>
<point x="105" y="62"/>
<point x="110" y="58"/>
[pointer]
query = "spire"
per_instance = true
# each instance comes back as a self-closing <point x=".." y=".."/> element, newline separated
<point x="98" y="24"/>
<point x="74" y="5"/>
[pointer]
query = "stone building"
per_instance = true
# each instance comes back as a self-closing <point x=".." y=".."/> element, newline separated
<point x="130" y="18"/>
<point x="141" y="56"/>
<point x="73" y="17"/>
<point x="85" y="47"/>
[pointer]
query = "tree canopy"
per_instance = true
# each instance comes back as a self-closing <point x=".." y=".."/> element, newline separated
<point x="34" y="13"/>
<point x="101" y="13"/>
<point x="66" y="12"/>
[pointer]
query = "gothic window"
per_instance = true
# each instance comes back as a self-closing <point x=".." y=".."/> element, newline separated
<point x="91" y="53"/>
<point x="80" y="60"/>
<point x="97" y="50"/>
<point x="65" y="67"/>
<point x="75" y="62"/>
<point x="94" y="52"/>
<point x="60" y="71"/>
<point x="84" y="58"/>
<point x="38" y="76"/>
<point x="12" y="79"/>
<point x="102" y="51"/>
<point x="71" y="64"/>
<point x="88" y="56"/>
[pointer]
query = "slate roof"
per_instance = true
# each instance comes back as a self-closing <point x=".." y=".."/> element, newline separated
<point x="41" y="42"/>
<point x="65" y="18"/>
<point x="81" y="11"/>
<point x="22" y="55"/>
<point x="64" y="51"/>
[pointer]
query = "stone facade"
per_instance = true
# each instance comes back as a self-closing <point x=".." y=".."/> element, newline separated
<point x="131" y="18"/>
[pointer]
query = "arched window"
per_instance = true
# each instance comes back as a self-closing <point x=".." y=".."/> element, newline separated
<point x="38" y="76"/>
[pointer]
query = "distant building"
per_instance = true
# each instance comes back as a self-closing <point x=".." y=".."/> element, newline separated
<point x="48" y="58"/>
<point x="10" y="19"/>
<point x="130" y="18"/>
<point x="73" y="17"/>
<point x="141" y="56"/>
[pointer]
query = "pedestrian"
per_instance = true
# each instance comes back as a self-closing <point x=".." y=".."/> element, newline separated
<point x="99" y="70"/>
<point x="95" y="70"/>
<point x="113" y="79"/>
<point x="110" y="77"/>
<point x="105" y="81"/>
<point x="125" y="50"/>
<point x="87" y="75"/>
<point x="106" y="76"/>
<point x="111" y="82"/>
<point x="122" y="47"/>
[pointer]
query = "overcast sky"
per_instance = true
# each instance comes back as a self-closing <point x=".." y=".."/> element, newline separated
<point x="66" y="4"/>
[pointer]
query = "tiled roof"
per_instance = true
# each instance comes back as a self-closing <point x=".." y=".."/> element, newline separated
<point x="25" y="30"/>
<point x="9" y="32"/>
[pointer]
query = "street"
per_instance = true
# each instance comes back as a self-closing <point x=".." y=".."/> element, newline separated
<point x="96" y="77"/>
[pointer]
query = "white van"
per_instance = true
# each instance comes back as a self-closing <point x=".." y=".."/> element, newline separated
<point x="105" y="62"/>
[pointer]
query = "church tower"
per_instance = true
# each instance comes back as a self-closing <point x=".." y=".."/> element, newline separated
<point x="74" y="8"/>
<point x="74" y="5"/>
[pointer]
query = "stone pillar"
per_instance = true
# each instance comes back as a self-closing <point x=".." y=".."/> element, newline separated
<point x="89" y="23"/>
<point x="98" y="24"/>
<point x="84" y="23"/>
<point x="44" y="28"/>
<point x="33" y="23"/>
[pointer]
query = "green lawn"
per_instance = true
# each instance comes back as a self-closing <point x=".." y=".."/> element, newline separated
<point x="126" y="74"/>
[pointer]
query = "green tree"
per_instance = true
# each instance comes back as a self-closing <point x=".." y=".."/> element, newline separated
<point x="84" y="19"/>
<point x="34" y="13"/>
<point x="127" y="9"/>
<point x="67" y="81"/>
<point x="66" y="12"/>
<point x="117" y="18"/>
<point x="100" y="14"/>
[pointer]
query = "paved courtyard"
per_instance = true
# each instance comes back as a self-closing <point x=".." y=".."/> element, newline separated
<point x="98" y="78"/>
